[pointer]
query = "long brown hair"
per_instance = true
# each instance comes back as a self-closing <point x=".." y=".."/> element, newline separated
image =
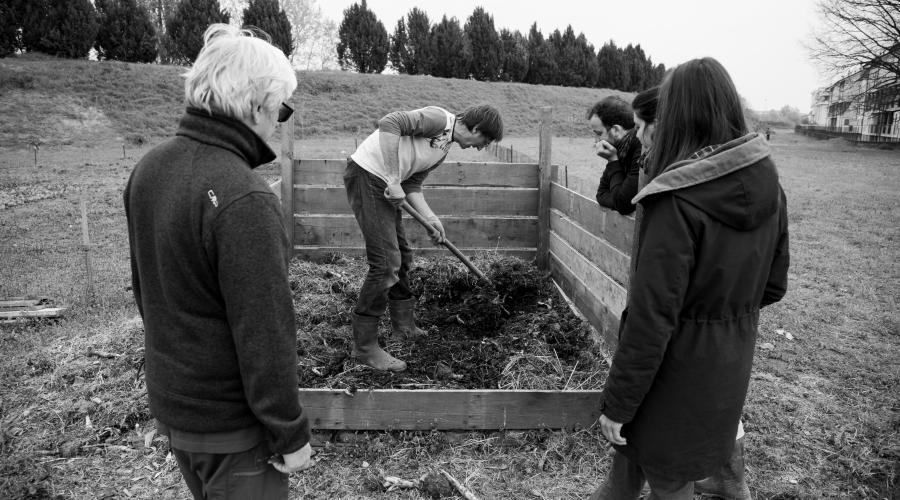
<point x="698" y="107"/>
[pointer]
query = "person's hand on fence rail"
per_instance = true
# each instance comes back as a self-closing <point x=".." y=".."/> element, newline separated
<point x="438" y="235"/>
<point x="297" y="461"/>
<point x="395" y="194"/>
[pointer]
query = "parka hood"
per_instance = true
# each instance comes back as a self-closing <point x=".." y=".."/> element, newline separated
<point x="737" y="184"/>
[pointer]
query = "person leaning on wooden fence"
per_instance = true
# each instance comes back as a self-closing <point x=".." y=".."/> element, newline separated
<point x="387" y="169"/>
<point x="611" y="121"/>
<point x="713" y="250"/>
<point x="210" y="277"/>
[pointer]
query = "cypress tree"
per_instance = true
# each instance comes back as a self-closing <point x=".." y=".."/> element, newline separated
<point x="485" y="44"/>
<point x="450" y="51"/>
<point x="556" y="45"/>
<point x="64" y="28"/>
<point x="418" y="28"/>
<point x="586" y="61"/>
<point x="659" y="72"/>
<point x="364" y="43"/>
<point x="541" y="63"/>
<point x="186" y="25"/>
<point x="568" y="58"/>
<point x="9" y="29"/>
<point x="32" y="19"/>
<point x="514" y="56"/>
<point x="636" y="62"/>
<point x="126" y="32"/>
<point x="267" y="16"/>
<point x="399" y="55"/>
<point x="613" y="72"/>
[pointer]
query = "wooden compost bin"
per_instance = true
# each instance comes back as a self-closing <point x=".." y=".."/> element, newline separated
<point x="524" y="209"/>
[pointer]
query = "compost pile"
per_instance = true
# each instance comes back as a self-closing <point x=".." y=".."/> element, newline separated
<point x="518" y="333"/>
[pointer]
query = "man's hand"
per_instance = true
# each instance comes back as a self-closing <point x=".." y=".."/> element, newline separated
<point x="605" y="150"/>
<point x="294" y="462"/>
<point x="611" y="431"/>
<point x="437" y="236"/>
<point x="395" y="194"/>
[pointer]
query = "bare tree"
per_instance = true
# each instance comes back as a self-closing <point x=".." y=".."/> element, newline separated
<point x="315" y="37"/>
<point x="320" y="52"/>
<point x="857" y="34"/>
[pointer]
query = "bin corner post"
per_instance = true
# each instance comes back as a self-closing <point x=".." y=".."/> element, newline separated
<point x="546" y="138"/>
<point x="287" y="181"/>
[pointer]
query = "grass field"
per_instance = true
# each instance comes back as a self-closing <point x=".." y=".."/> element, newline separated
<point x="822" y="417"/>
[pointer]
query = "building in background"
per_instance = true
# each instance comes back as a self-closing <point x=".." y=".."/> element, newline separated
<point x="864" y="106"/>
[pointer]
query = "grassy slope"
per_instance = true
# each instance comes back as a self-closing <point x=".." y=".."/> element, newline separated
<point x="58" y="101"/>
<point x="822" y="414"/>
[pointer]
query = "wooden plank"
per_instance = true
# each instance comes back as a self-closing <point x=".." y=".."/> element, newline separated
<point x="20" y="302"/>
<point x="287" y="179"/>
<point x="604" y="321"/>
<point x="325" y="253"/>
<point x="487" y="174"/>
<point x="545" y="150"/>
<point x="601" y="285"/>
<point x="486" y="232"/>
<point x="391" y="409"/>
<point x="606" y="257"/>
<point x="609" y="225"/>
<point x="583" y="185"/>
<point x="442" y="200"/>
<point x="47" y="312"/>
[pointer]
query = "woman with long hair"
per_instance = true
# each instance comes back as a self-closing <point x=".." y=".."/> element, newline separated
<point x="713" y="250"/>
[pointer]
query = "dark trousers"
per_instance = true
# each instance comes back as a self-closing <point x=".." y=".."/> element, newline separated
<point x="232" y="476"/>
<point x="387" y="250"/>
<point x="626" y="479"/>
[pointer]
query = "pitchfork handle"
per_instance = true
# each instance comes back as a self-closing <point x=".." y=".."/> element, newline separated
<point x="450" y="246"/>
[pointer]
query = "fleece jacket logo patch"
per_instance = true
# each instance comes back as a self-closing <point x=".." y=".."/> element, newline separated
<point x="212" y="198"/>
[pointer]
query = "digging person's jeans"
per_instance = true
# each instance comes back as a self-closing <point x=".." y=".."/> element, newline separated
<point x="387" y="250"/>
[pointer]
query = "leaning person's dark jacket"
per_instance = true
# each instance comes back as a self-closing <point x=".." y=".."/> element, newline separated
<point x="713" y="250"/>
<point x="619" y="182"/>
<point x="209" y="266"/>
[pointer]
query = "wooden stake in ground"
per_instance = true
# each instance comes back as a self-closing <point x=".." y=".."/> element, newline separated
<point x="86" y="248"/>
<point x="468" y="495"/>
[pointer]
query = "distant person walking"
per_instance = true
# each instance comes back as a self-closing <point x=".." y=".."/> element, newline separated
<point x="210" y="278"/>
<point x="713" y="250"/>
<point x="611" y="121"/>
<point x="388" y="168"/>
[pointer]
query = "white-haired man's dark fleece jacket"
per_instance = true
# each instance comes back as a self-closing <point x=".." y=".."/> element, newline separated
<point x="713" y="250"/>
<point x="209" y="269"/>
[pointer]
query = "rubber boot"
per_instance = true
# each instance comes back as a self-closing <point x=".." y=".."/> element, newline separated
<point x="728" y="482"/>
<point x="366" y="349"/>
<point x="403" y="318"/>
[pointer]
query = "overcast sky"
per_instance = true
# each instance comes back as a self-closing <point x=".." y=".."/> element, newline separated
<point x="759" y="42"/>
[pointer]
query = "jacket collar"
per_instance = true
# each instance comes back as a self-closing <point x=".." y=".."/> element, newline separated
<point x="731" y="157"/>
<point x="226" y="133"/>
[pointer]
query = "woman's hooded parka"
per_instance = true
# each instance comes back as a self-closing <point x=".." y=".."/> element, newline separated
<point x="713" y="250"/>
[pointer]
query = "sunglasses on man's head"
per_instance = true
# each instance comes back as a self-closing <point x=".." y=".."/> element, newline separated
<point x="284" y="112"/>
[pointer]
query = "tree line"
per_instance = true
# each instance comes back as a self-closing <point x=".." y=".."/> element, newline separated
<point x="167" y="31"/>
<point x="477" y="50"/>
<point x="170" y="31"/>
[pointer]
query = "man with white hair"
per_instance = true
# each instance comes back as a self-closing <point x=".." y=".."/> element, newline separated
<point x="209" y="271"/>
